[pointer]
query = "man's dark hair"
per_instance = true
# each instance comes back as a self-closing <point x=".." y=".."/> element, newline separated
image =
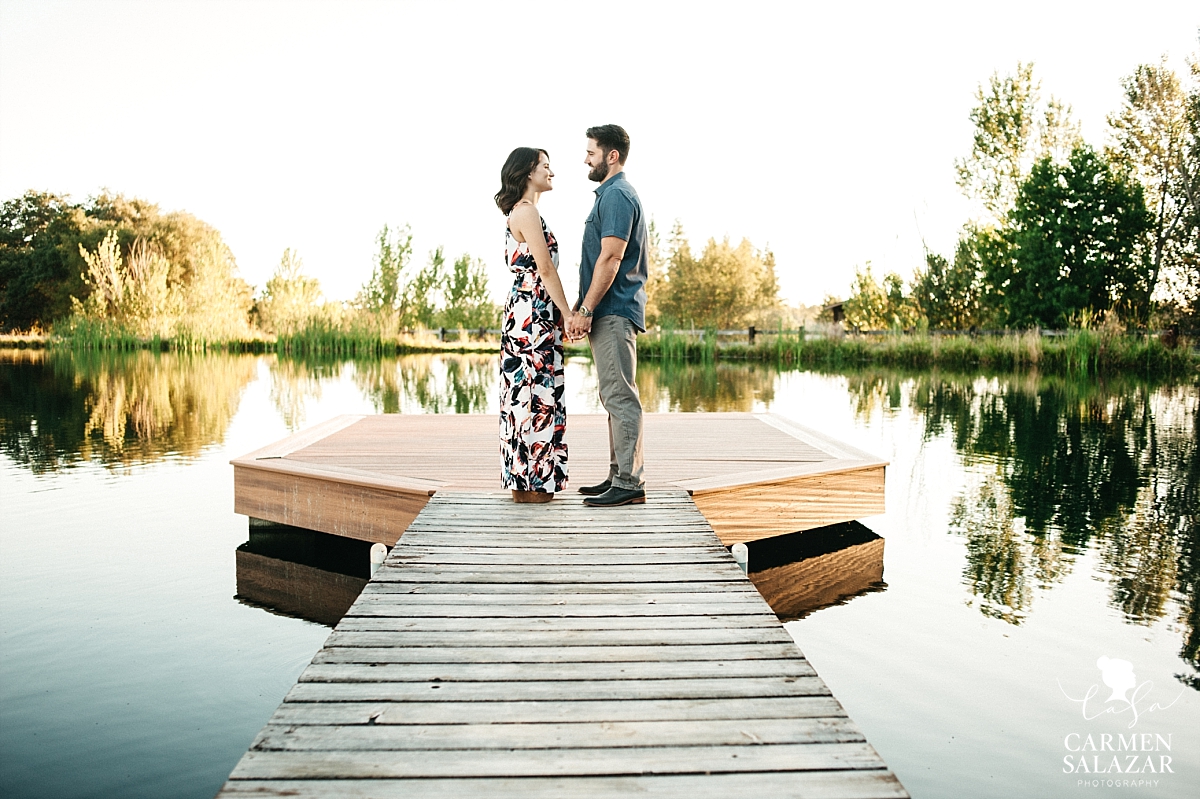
<point x="611" y="137"/>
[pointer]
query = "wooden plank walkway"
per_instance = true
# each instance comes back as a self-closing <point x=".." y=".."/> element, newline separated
<point x="752" y="475"/>
<point x="555" y="650"/>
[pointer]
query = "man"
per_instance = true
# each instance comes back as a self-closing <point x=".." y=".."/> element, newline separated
<point x="612" y="311"/>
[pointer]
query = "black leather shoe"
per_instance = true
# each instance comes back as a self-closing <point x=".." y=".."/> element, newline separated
<point x="617" y="496"/>
<point x="596" y="490"/>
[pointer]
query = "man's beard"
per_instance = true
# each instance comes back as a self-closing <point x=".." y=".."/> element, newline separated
<point x="598" y="173"/>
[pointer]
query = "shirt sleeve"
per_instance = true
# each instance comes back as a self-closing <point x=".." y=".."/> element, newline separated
<point x="616" y="215"/>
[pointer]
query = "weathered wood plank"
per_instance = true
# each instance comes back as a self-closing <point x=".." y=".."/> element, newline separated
<point x="875" y="784"/>
<point x="484" y="599"/>
<point x="557" y="735"/>
<point x="525" y="672"/>
<point x="509" y="711"/>
<point x="563" y="638"/>
<point x="492" y="624"/>
<point x="558" y="762"/>
<point x="551" y="654"/>
<point x="729" y="587"/>
<point x="576" y="690"/>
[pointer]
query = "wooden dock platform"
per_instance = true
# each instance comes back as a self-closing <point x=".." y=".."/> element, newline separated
<point x="555" y="650"/>
<point x="752" y="475"/>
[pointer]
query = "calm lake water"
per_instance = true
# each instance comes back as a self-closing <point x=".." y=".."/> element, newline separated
<point x="1034" y="526"/>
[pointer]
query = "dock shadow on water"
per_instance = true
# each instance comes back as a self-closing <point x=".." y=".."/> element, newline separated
<point x="801" y="573"/>
<point x="301" y="573"/>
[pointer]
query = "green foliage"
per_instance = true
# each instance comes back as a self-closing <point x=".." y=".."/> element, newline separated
<point x="290" y="299"/>
<point x="1156" y="139"/>
<point x="1072" y="245"/>
<point x="383" y="295"/>
<point x="1087" y="352"/>
<point x="468" y="302"/>
<point x="425" y="293"/>
<point x="872" y="306"/>
<point x="726" y="287"/>
<point x="947" y="294"/>
<point x="39" y="271"/>
<point x="656" y="281"/>
<point x="166" y="275"/>
<point x="1012" y="130"/>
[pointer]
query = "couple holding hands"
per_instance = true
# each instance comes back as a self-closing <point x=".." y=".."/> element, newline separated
<point x="610" y="311"/>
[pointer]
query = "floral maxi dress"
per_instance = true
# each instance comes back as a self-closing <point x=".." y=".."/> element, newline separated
<point x="533" y="414"/>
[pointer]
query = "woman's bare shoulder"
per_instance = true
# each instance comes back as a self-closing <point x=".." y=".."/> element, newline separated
<point x="524" y="211"/>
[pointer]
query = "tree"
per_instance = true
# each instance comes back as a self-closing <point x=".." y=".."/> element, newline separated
<point x="468" y="301"/>
<point x="1012" y="131"/>
<point x="1156" y="139"/>
<point x="726" y="287"/>
<point x="39" y="262"/>
<point x="872" y="306"/>
<point x="425" y="293"/>
<point x="948" y="293"/>
<point x="383" y="295"/>
<point x="1073" y="244"/>
<point x="656" y="281"/>
<point x="290" y="297"/>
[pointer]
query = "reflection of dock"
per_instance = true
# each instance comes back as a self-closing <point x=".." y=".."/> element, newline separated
<point x="301" y="573"/>
<point x="804" y="572"/>
<point x="367" y="477"/>
<point x="553" y="650"/>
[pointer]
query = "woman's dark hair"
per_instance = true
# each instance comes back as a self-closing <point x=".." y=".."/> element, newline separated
<point x="514" y="175"/>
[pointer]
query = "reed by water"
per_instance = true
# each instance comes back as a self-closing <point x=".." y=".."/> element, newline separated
<point x="1075" y="352"/>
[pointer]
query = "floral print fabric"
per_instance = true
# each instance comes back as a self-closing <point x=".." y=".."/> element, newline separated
<point x="533" y="413"/>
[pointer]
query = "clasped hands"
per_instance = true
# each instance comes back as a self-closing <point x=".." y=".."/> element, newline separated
<point x="577" y="326"/>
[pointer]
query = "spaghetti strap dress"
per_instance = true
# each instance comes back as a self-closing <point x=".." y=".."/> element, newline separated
<point x="533" y="412"/>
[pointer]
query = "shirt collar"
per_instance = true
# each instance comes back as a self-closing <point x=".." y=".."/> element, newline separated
<point x="604" y="186"/>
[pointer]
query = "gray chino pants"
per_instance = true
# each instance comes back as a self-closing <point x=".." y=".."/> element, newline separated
<point x="614" y="350"/>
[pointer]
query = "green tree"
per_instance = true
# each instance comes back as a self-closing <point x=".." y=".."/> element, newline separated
<point x="43" y="238"/>
<point x="1073" y="244"/>
<point x="656" y="281"/>
<point x="726" y="287"/>
<point x="1012" y="130"/>
<point x="383" y="295"/>
<point x="290" y="297"/>
<point x="425" y="293"/>
<point x="872" y="306"/>
<point x="40" y="269"/>
<point x="1156" y="139"/>
<point x="468" y="301"/>
<point x="948" y="293"/>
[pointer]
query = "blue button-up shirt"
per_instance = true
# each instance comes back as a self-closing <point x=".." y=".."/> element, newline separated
<point x="617" y="212"/>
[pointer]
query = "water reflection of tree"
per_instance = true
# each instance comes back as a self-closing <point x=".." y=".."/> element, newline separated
<point x="435" y="383"/>
<point x="687" y="388"/>
<point x="61" y="407"/>
<point x="296" y="380"/>
<point x="1064" y="467"/>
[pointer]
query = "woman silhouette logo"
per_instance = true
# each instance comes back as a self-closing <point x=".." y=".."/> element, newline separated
<point x="1117" y="675"/>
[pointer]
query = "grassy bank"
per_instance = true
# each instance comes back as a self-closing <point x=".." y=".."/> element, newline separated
<point x="1079" y="352"/>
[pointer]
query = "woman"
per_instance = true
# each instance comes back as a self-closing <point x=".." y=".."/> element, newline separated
<point x="533" y="414"/>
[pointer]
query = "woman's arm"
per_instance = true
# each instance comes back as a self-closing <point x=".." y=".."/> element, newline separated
<point x="527" y="225"/>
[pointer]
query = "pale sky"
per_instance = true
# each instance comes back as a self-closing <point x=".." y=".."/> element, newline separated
<point x="825" y="131"/>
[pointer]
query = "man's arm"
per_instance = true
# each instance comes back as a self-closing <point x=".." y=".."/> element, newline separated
<point x="612" y="250"/>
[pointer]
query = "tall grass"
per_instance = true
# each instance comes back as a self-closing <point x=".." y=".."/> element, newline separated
<point x="1078" y="353"/>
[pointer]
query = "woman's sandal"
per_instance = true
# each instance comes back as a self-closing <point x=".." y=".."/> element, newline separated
<point x="531" y="496"/>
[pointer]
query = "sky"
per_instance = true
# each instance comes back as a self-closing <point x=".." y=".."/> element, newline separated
<point x="826" y="132"/>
